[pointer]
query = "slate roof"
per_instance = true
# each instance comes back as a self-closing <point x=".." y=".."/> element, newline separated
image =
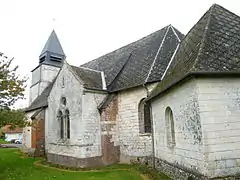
<point x="92" y="79"/>
<point x="41" y="101"/>
<point x="211" y="47"/>
<point x="53" y="45"/>
<point x="140" y="62"/>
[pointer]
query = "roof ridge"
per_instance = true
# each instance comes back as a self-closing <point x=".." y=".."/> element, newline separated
<point x="160" y="46"/>
<point x="206" y="28"/>
<point x="215" y="5"/>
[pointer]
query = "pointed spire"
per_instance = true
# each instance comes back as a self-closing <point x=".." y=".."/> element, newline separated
<point x="52" y="53"/>
<point x="53" y="45"/>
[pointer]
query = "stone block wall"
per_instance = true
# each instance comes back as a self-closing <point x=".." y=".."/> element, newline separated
<point x="206" y="120"/>
<point x="132" y="143"/>
<point x="41" y="77"/>
<point x="85" y="139"/>
<point x="219" y="103"/>
<point x="187" y="153"/>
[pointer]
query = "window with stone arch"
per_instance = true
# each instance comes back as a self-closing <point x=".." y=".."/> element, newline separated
<point x="64" y="120"/>
<point x="145" y="125"/>
<point x="67" y="119"/>
<point x="170" y="128"/>
<point x="60" y="118"/>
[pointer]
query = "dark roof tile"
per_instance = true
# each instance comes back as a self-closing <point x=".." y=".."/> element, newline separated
<point x="92" y="79"/>
<point x="41" y="101"/>
<point x="140" y="62"/>
<point x="211" y="46"/>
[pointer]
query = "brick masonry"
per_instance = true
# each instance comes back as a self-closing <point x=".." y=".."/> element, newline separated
<point x="38" y="134"/>
<point x="110" y="145"/>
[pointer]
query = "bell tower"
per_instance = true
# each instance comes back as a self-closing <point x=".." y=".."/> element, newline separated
<point x="50" y="61"/>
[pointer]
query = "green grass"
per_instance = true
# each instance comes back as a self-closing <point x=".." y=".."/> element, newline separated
<point x="13" y="166"/>
<point x="3" y="142"/>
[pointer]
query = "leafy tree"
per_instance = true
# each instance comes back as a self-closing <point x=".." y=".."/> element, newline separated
<point x="11" y="89"/>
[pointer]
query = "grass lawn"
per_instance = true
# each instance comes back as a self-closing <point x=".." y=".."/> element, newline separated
<point x="3" y="142"/>
<point x="13" y="166"/>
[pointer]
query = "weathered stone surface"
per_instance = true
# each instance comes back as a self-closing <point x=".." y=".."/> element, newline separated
<point x="42" y="76"/>
<point x="74" y="162"/>
<point x="188" y="150"/>
<point x="109" y="132"/>
<point x="220" y="112"/>
<point x="206" y="113"/>
<point x="132" y="142"/>
<point x="85" y="137"/>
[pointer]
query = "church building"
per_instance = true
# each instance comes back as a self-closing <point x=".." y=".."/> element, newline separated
<point x="167" y="100"/>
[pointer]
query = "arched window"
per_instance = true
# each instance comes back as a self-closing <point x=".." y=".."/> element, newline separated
<point x="64" y="120"/>
<point x="145" y="125"/>
<point x="170" y="129"/>
<point x="60" y="118"/>
<point x="63" y="101"/>
<point x="68" y="123"/>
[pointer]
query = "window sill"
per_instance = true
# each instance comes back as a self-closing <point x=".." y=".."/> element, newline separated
<point x="68" y="143"/>
<point x="145" y="134"/>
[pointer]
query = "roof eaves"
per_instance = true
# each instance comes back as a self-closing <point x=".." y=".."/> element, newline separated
<point x="191" y="74"/>
<point x="35" y="108"/>
<point x="105" y="102"/>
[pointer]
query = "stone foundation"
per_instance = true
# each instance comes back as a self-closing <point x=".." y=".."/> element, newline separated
<point x="73" y="162"/>
<point x="173" y="171"/>
<point x="125" y="159"/>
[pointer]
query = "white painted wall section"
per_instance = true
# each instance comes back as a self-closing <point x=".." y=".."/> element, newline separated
<point x="84" y="118"/>
<point x="188" y="151"/>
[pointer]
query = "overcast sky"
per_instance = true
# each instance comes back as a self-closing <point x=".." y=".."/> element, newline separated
<point x="91" y="28"/>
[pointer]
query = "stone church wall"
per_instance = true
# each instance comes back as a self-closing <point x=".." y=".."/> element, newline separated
<point x="187" y="153"/>
<point x="27" y="134"/>
<point x="133" y="144"/>
<point x="85" y="140"/>
<point x="41" y="77"/>
<point x="219" y="102"/>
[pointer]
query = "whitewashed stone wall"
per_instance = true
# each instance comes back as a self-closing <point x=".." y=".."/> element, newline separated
<point x="219" y="101"/>
<point x="41" y="77"/>
<point x="36" y="75"/>
<point x="132" y="142"/>
<point x="48" y="73"/>
<point x="85" y="138"/>
<point x="33" y="93"/>
<point x="188" y="151"/>
<point x="27" y="133"/>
